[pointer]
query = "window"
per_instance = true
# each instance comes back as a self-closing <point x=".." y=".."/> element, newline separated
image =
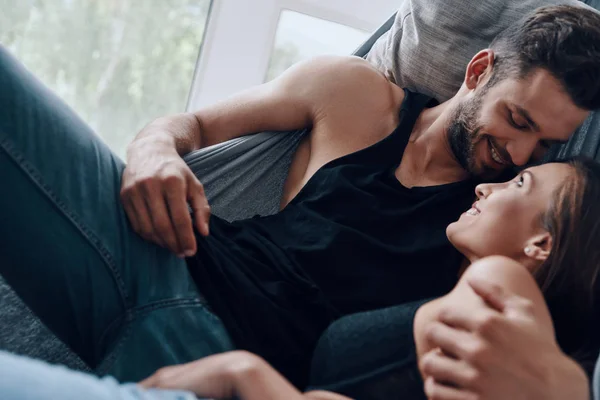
<point x="118" y="63"/>
<point x="300" y="36"/>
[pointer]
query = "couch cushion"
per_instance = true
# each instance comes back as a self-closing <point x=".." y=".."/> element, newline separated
<point x="431" y="42"/>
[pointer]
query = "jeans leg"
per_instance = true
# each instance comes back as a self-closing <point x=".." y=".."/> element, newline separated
<point x="27" y="379"/>
<point x="165" y="333"/>
<point x="66" y="246"/>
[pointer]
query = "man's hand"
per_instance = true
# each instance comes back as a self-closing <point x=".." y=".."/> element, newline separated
<point x="498" y="350"/>
<point x="156" y="189"/>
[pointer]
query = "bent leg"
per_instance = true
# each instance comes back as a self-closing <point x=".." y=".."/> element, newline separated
<point x="57" y="213"/>
<point x="66" y="246"/>
<point x="27" y="379"/>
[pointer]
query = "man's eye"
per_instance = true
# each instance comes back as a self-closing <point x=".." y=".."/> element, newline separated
<point x="514" y="123"/>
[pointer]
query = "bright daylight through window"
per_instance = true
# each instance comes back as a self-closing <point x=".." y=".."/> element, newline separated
<point x="118" y="63"/>
<point x="300" y="36"/>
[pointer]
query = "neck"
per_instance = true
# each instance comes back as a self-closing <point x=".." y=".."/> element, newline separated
<point x="430" y="152"/>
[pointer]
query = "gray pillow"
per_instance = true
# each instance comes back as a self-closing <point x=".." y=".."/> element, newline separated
<point x="432" y="41"/>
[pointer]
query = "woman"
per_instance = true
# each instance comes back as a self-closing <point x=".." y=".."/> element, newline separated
<point x="544" y="224"/>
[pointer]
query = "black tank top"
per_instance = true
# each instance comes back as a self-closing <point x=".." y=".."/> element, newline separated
<point x="353" y="239"/>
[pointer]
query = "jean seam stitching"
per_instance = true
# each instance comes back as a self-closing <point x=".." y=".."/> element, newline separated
<point x="171" y="303"/>
<point x="135" y="312"/>
<point x="109" y="361"/>
<point x="90" y="237"/>
<point x="147" y="308"/>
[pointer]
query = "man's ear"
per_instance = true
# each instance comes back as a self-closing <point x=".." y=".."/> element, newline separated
<point x="479" y="69"/>
<point x="538" y="247"/>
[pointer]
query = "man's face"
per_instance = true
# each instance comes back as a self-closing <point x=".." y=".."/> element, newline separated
<point x="511" y="123"/>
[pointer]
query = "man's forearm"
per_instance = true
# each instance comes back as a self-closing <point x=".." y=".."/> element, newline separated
<point x="180" y="132"/>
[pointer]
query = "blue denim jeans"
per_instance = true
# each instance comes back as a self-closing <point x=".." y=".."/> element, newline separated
<point x="124" y="305"/>
<point x="27" y="379"/>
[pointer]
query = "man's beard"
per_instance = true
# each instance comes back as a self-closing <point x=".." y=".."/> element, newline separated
<point x="464" y="135"/>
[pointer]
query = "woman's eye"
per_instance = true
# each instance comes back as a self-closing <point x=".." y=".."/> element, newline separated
<point x="520" y="181"/>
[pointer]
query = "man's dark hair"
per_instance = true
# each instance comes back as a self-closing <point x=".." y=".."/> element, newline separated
<point x="564" y="40"/>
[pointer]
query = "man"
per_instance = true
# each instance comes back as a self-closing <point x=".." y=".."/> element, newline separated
<point x="364" y="211"/>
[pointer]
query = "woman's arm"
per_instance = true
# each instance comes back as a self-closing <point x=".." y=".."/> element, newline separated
<point x="236" y="373"/>
<point x="492" y="338"/>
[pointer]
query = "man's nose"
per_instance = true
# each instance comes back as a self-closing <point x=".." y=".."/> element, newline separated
<point x="521" y="150"/>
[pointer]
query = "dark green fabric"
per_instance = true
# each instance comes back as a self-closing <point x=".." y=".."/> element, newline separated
<point x="370" y="355"/>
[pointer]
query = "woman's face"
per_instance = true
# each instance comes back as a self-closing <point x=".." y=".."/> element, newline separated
<point x="505" y="219"/>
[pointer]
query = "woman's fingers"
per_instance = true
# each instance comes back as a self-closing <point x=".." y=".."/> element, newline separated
<point x="164" y="378"/>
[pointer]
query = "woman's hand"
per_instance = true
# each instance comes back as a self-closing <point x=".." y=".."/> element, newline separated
<point x="236" y="373"/>
<point x="209" y="377"/>
<point x="498" y="351"/>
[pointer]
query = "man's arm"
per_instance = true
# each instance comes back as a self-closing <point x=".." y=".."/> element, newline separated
<point x="280" y="105"/>
<point x="237" y="373"/>
<point x="295" y="100"/>
<point x="498" y="351"/>
<point x="157" y="185"/>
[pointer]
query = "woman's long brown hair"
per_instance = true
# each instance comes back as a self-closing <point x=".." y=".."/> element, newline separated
<point x="569" y="277"/>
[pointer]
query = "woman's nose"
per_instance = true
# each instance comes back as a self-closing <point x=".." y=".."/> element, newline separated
<point x="482" y="191"/>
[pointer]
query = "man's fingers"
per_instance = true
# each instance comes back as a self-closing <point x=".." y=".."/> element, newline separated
<point x="450" y="340"/>
<point x="449" y="370"/>
<point x="437" y="391"/>
<point x="161" y="221"/>
<point x="458" y="318"/>
<point x="143" y="219"/>
<point x="181" y="219"/>
<point x="492" y="294"/>
<point x="200" y="207"/>
<point x="131" y="214"/>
